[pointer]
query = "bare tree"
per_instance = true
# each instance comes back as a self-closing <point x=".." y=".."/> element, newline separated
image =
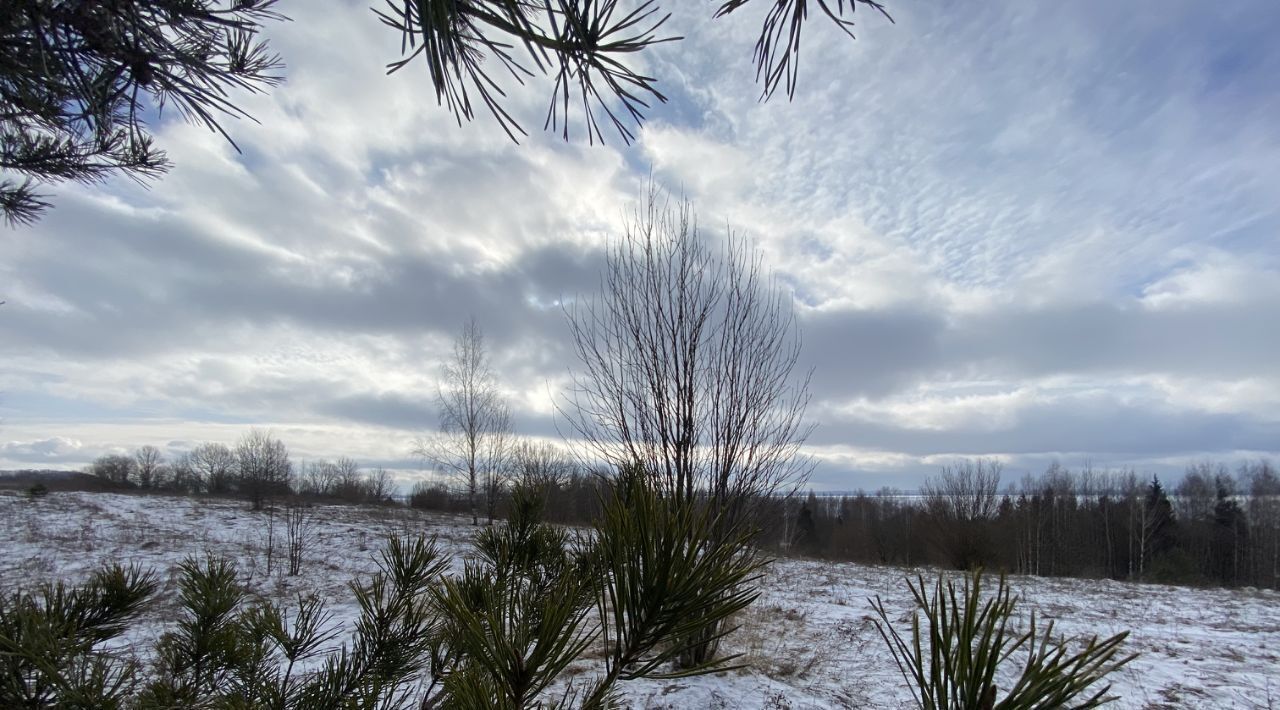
<point x="115" y="468"/>
<point x="1194" y="495"/>
<point x="688" y="364"/>
<point x="263" y="467"/>
<point x="540" y="464"/>
<point x="961" y="502"/>
<point x="271" y="537"/>
<point x="1264" y="515"/>
<point x="379" y="487"/>
<point x="183" y="475"/>
<point x="475" y="423"/>
<point x="328" y="479"/>
<point x="688" y="357"/>
<point x="1150" y="518"/>
<point x="311" y="479"/>
<point x="966" y="491"/>
<point x="147" y="461"/>
<point x="299" y="519"/>
<point x="213" y="465"/>
<point x="347" y="484"/>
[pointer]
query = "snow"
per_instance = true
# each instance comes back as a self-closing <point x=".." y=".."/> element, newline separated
<point x="808" y="642"/>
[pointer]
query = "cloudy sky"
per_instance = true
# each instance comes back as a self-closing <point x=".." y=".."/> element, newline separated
<point x="1028" y="230"/>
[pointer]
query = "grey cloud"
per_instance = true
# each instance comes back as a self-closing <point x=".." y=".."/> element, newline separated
<point x="870" y="352"/>
<point x="1103" y="426"/>
<point x="875" y="353"/>
<point x="838" y="478"/>
<point x="130" y="301"/>
<point x="397" y="411"/>
<point x="1209" y="340"/>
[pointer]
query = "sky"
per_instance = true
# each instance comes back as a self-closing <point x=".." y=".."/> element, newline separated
<point x="1030" y="231"/>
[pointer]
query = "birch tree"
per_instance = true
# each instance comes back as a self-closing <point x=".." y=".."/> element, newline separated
<point x="475" y="424"/>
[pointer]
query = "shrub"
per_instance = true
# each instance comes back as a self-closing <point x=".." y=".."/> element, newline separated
<point x="967" y="641"/>
<point x="659" y="572"/>
<point x="227" y="653"/>
<point x="518" y="615"/>
<point x="51" y="641"/>
<point x="431" y="496"/>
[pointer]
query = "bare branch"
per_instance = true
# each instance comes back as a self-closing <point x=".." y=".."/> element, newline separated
<point x="475" y="423"/>
<point x="688" y="361"/>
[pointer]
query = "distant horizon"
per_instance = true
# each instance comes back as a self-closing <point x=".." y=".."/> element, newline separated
<point x="405" y="478"/>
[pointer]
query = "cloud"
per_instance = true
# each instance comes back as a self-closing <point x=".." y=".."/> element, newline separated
<point x="871" y="352"/>
<point x="1017" y="229"/>
<point x="1034" y="419"/>
<point x="54" y="449"/>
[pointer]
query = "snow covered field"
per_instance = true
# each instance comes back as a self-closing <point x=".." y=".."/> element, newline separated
<point x="809" y="640"/>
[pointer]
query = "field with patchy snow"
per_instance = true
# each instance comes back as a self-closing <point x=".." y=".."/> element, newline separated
<point x="809" y="641"/>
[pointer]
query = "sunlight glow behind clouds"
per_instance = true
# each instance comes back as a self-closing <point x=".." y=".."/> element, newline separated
<point x="1013" y="229"/>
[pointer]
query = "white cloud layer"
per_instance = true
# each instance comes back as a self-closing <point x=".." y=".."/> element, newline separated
<point x="1024" y="230"/>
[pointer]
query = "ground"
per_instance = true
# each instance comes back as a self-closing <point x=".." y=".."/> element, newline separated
<point x="808" y="642"/>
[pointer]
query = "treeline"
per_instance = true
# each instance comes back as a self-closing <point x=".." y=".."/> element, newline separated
<point x="1214" y="527"/>
<point x="571" y="493"/>
<point x="258" y="467"/>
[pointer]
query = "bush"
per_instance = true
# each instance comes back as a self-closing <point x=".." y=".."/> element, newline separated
<point x="228" y="653"/>
<point x="432" y="496"/>
<point x="518" y="615"/>
<point x="659" y="572"/>
<point x="51" y="641"/>
<point x="967" y="641"/>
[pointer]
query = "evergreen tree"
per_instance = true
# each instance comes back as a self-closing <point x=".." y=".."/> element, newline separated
<point x="584" y="45"/>
<point x="79" y="79"/>
<point x="1160" y="524"/>
<point x="1230" y="537"/>
<point x="806" y="528"/>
